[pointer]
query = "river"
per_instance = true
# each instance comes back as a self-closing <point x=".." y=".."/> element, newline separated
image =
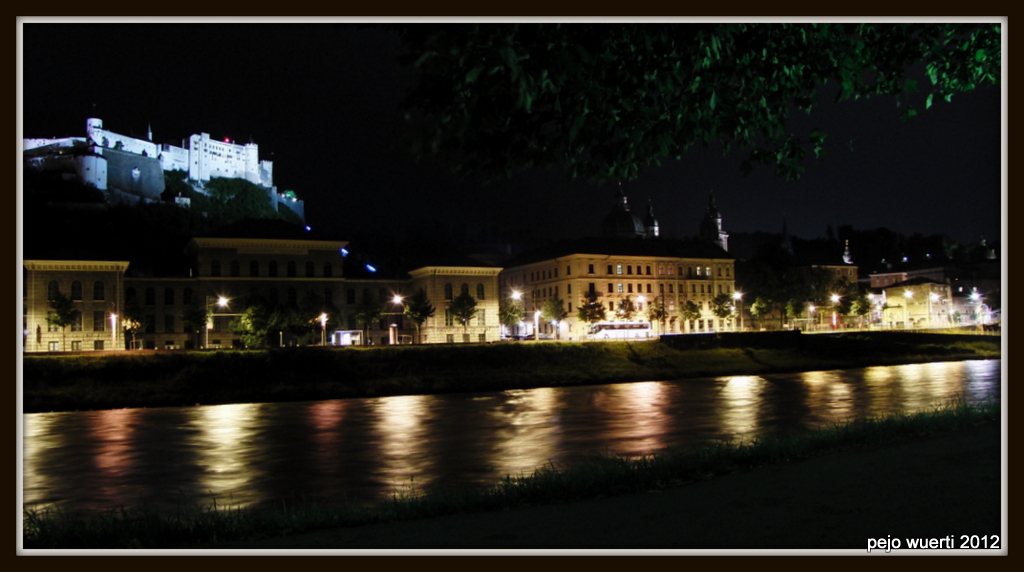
<point x="265" y="453"/>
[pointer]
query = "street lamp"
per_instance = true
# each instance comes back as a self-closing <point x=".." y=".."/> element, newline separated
<point x="975" y="297"/>
<point x="908" y="294"/>
<point x="933" y="299"/>
<point x="396" y="300"/>
<point x="536" y="325"/>
<point x="835" y="301"/>
<point x="113" y="330"/>
<point x="738" y="296"/>
<point x="516" y="296"/>
<point x="222" y="302"/>
<point x="323" y="329"/>
<point x="810" y="311"/>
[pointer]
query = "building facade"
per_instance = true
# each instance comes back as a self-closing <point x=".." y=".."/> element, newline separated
<point x="621" y="273"/>
<point x="918" y="303"/>
<point x="95" y="288"/>
<point x="225" y="276"/>
<point x="442" y="284"/>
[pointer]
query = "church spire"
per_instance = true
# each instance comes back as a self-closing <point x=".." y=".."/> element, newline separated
<point x="711" y="225"/>
<point x="787" y="245"/>
<point x="650" y="223"/>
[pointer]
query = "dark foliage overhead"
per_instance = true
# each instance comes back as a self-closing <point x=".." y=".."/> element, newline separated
<point x="604" y="101"/>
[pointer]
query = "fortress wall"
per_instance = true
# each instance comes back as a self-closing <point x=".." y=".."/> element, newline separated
<point x="134" y="174"/>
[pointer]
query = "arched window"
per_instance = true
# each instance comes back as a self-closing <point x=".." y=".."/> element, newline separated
<point x="235" y="270"/>
<point x="328" y="270"/>
<point x="99" y="291"/>
<point x="129" y="295"/>
<point x="448" y="293"/>
<point x="464" y="289"/>
<point x="272" y="269"/>
<point x="382" y="295"/>
<point x="52" y="289"/>
<point x="293" y="297"/>
<point x="76" y="290"/>
<point x="310" y="269"/>
<point x="186" y="296"/>
<point x="254" y="268"/>
<point x="168" y="296"/>
<point x="150" y="296"/>
<point x="291" y="269"/>
<point x="215" y="268"/>
<point x="479" y="291"/>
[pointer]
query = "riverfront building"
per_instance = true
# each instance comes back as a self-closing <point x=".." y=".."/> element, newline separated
<point x="228" y="273"/>
<point x="279" y="265"/>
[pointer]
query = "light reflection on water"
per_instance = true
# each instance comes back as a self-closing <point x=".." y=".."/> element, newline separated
<point x="250" y="454"/>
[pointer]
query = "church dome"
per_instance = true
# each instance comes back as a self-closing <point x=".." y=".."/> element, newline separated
<point x="621" y="222"/>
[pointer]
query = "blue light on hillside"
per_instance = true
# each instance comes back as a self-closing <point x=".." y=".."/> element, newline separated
<point x="344" y="252"/>
<point x="308" y="228"/>
<point x="371" y="268"/>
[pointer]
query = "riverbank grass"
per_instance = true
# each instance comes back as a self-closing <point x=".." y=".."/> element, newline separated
<point x="85" y="381"/>
<point x="208" y="525"/>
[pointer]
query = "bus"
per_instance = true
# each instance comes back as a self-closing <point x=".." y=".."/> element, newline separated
<point x="619" y="331"/>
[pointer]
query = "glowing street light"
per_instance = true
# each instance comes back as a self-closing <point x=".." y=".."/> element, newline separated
<point x="323" y="329"/>
<point x="738" y="296"/>
<point x="222" y="302"/>
<point x="113" y="330"/>
<point x="536" y="325"/>
<point x="835" y="318"/>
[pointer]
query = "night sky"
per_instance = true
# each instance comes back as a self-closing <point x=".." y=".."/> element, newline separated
<point x="322" y="103"/>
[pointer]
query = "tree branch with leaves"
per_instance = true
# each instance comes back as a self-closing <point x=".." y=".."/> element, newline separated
<point x="606" y="101"/>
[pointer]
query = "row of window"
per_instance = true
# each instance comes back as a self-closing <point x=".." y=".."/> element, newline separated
<point x="99" y="290"/>
<point x="291" y="295"/>
<point x="76" y="345"/>
<point x="627" y="288"/>
<point x="481" y="318"/>
<point x="639" y="270"/>
<point x="449" y="291"/>
<point x="99" y="322"/>
<point x="291" y="269"/>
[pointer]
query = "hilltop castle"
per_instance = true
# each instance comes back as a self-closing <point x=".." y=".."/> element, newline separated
<point x="127" y="169"/>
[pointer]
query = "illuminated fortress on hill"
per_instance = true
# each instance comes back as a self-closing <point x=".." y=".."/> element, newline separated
<point x="130" y="168"/>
